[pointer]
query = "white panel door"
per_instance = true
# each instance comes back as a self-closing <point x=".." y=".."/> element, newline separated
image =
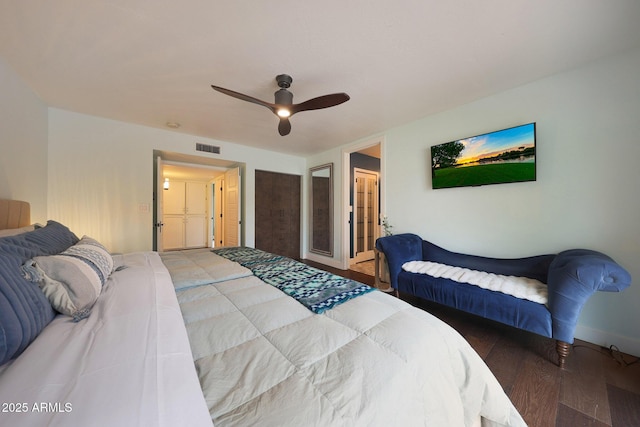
<point x="195" y="231"/>
<point x="174" y="199"/>
<point x="231" y="215"/>
<point x="173" y="232"/>
<point x="196" y="198"/>
<point x="185" y="215"/>
<point x="365" y="214"/>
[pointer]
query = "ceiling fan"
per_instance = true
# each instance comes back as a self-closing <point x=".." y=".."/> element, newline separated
<point x="283" y="107"/>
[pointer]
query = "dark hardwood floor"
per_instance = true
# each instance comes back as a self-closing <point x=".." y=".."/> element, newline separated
<point x="598" y="387"/>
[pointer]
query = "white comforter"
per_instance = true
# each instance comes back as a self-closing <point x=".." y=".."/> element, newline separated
<point x="193" y="267"/>
<point x="128" y="364"/>
<point x="264" y="359"/>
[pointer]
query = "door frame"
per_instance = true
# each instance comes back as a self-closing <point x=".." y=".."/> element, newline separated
<point x="158" y="213"/>
<point x="346" y="183"/>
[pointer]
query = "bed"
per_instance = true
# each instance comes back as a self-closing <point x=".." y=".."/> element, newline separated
<point x="231" y="338"/>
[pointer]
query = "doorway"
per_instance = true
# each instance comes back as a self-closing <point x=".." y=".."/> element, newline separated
<point x="361" y="218"/>
<point x="366" y="214"/>
<point x="225" y="208"/>
<point x="219" y="203"/>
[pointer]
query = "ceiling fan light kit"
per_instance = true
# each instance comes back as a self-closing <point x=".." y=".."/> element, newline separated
<point x="283" y="107"/>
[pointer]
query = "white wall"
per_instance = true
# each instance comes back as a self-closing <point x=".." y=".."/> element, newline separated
<point x="587" y="189"/>
<point x="101" y="172"/>
<point x="23" y="144"/>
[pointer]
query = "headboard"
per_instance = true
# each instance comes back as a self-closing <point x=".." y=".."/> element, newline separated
<point x="14" y="214"/>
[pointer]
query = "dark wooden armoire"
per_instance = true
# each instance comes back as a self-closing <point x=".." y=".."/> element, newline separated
<point x="278" y="200"/>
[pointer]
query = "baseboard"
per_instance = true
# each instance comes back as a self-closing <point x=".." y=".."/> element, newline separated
<point x="605" y="339"/>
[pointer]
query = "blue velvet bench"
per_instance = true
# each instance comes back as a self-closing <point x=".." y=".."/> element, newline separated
<point x="571" y="277"/>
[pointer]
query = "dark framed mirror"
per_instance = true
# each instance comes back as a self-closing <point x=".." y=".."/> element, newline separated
<point x="321" y="227"/>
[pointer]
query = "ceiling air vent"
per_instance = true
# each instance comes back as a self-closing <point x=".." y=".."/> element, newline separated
<point x="207" y="148"/>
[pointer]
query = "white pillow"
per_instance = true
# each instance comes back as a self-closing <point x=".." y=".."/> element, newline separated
<point x="72" y="280"/>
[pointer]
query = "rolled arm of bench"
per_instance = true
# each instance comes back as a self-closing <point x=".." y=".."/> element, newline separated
<point x="574" y="276"/>
<point x="398" y="249"/>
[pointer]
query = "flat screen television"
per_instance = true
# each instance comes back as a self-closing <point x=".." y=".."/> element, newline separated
<point x="499" y="157"/>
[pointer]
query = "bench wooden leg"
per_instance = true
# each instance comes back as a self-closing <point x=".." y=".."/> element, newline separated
<point x="563" y="349"/>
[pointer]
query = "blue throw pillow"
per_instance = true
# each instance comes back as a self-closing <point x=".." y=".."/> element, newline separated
<point x="24" y="309"/>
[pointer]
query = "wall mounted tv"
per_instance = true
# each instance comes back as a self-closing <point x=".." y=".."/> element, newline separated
<point x="503" y="156"/>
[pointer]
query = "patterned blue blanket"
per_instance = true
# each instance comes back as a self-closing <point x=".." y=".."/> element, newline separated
<point x="316" y="289"/>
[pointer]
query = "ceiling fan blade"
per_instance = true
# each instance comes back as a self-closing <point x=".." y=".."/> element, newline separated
<point x="325" y="101"/>
<point x="284" y="127"/>
<point x="244" y="97"/>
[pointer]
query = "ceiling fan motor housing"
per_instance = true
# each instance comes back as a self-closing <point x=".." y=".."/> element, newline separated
<point x="283" y="97"/>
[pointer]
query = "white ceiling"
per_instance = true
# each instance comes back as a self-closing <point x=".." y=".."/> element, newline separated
<point x="153" y="61"/>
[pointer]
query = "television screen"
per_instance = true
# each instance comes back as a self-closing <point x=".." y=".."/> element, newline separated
<point x="507" y="155"/>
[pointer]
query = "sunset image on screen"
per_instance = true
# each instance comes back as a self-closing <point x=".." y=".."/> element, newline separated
<point x="498" y="157"/>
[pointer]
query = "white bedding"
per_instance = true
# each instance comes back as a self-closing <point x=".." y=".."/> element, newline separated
<point x="261" y="359"/>
<point x="264" y="359"/>
<point x="519" y="287"/>
<point x="128" y="364"/>
<point x="193" y="267"/>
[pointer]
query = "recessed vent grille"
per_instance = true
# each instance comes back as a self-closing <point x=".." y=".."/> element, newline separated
<point x="207" y="148"/>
